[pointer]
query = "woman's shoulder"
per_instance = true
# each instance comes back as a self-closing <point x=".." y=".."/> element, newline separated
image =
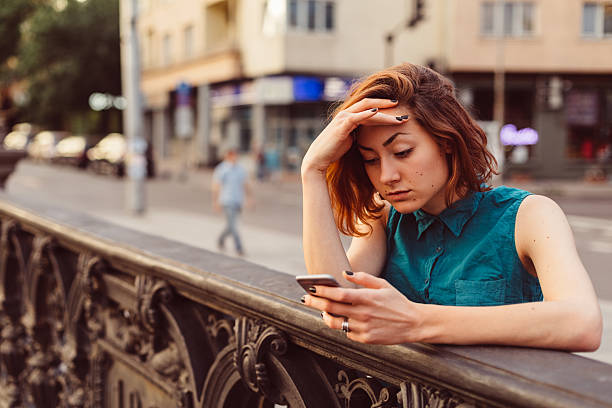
<point x="504" y="196"/>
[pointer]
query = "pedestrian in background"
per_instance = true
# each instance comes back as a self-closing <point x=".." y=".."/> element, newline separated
<point x="230" y="191"/>
<point x="441" y="256"/>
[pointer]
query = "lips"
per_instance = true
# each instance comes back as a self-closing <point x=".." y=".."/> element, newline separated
<point x="399" y="195"/>
<point x="396" y="193"/>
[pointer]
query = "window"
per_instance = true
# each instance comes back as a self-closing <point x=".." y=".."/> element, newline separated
<point x="597" y="19"/>
<point x="293" y="13"/>
<point x="329" y="16"/>
<point x="188" y="42"/>
<point x="220" y="25"/>
<point x="150" y="49"/>
<point x="487" y="19"/>
<point x="167" y="46"/>
<point x="311" y="15"/>
<point x="508" y="18"/>
<point x="274" y="20"/>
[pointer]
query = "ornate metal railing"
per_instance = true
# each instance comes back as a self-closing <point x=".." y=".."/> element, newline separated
<point x="97" y="315"/>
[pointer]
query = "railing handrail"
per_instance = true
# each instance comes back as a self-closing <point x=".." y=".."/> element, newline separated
<point x="506" y="375"/>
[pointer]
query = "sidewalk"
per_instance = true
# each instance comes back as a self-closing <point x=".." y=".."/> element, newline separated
<point x="565" y="188"/>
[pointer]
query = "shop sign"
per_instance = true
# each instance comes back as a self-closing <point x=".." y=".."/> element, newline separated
<point x="307" y="89"/>
<point x="336" y="88"/>
<point x="233" y="94"/>
<point x="183" y="114"/>
<point x="581" y="108"/>
<point x="511" y="136"/>
<point x="183" y="94"/>
<point x="277" y="90"/>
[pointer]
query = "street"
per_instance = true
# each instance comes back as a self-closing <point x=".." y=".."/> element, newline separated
<point x="272" y="229"/>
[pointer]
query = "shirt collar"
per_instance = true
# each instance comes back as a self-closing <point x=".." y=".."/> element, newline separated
<point x="454" y="217"/>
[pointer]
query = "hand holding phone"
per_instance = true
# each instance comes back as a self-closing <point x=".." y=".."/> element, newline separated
<point x="308" y="281"/>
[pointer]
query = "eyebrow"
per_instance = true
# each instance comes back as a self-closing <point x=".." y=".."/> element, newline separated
<point x="385" y="143"/>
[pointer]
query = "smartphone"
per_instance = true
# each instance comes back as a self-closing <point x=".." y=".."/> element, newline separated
<point x="307" y="281"/>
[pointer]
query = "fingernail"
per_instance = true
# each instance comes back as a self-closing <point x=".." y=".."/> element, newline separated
<point x="349" y="273"/>
<point x="405" y="117"/>
<point x="303" y="299"/>
<point x="394" y="100"/>
<point x="399" y="118"/>
<point x="373" y="109"/>
<point x="312" y="289"/>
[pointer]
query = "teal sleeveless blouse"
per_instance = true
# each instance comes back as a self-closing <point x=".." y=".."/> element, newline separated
<point x="465" y="256"/>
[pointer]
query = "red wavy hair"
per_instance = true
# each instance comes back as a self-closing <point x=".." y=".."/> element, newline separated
<point x="431" y="99"/>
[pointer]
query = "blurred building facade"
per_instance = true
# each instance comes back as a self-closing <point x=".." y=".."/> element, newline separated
<point x="262" y="75"/>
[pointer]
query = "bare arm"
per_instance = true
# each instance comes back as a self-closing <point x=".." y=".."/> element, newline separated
<point x="323" y="251"/>
<point x="569" y="317"/>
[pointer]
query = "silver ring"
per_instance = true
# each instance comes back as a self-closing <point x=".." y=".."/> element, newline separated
<point x="345" y="326"/>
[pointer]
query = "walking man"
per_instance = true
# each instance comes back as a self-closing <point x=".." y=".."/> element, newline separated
<point x="230" y="185"/>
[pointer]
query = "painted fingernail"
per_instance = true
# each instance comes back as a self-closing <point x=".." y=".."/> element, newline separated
<point x="399" y="118"/>
<point x="303" y="299"/>
<point x="404" y="117"/>
<point x="312" y="289"/>
<point x="394" y="100"/>
<point x="349" y="273"/>
<point x="373" y="109"/>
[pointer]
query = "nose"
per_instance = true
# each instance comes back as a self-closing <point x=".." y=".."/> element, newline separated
<point x="389" y="173"/>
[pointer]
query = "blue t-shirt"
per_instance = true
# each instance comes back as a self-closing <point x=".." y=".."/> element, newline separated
<point x="232" y="178"/>
<point x="465" y="256"/>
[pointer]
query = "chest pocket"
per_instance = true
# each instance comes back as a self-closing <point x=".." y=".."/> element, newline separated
<point x="480" y="293"/>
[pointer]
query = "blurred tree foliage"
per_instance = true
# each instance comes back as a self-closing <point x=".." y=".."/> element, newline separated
<point x="64" y="55"/>
<point x="12" y="14"/>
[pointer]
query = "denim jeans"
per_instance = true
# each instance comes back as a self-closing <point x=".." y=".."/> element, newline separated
<point x="231" y="217"/>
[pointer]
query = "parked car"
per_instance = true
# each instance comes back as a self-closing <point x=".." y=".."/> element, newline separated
<point x="19" y="137"/>
<point x="72" y="150"/>
<point x="108" y="156"/>
<point x="43" y="145"/>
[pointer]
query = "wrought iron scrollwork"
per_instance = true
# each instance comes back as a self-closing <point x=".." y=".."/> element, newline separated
<point x="379" y="397"/>
<point x="79" y="330"/>
<point x="220" y="329"/>
<point x="151" y="293"/>
<point x="46" y="301"/>
<point x="255" y="340"/>
<point x="415" y="395"/>
<point x="13" y="345"/>
<point x="84" y="307"/>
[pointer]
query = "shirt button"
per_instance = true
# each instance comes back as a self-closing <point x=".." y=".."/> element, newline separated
<point x="438" y="249"/>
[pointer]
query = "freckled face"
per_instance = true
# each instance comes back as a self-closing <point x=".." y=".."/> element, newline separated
<point x="405" y="164"/>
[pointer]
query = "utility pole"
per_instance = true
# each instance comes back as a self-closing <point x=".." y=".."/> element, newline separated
<point x="135" y="161"/>
<point x="499" y="85"/>
<point x="418" y="14"/>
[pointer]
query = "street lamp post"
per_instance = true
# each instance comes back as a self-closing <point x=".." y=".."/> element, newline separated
<point x="499" y="82"/>
<point x="136" y="145"/>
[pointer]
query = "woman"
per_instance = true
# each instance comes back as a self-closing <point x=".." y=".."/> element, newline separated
<point x="440" y="257"/>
